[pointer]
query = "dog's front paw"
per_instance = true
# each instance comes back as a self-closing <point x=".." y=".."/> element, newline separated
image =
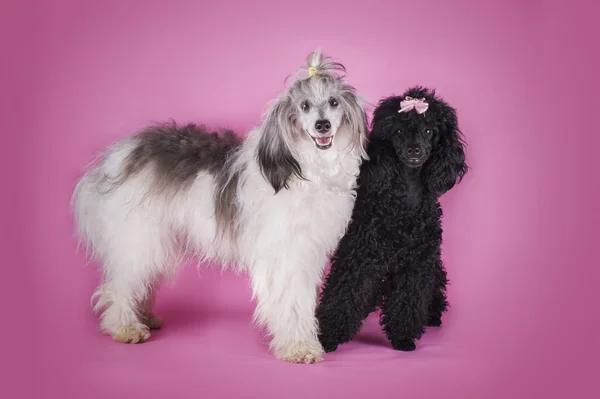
<point x="309" y="352"/>
<point x="405" y="345"/>
<point x="132" y="334"/>
<point x="329" y="347"/>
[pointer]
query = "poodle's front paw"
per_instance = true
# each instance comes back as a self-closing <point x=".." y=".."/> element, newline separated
<point x="405" y="345"/>
<point x="307" y="352"/>
<point x="328" y="345"/>
<point x="132" y="334"/>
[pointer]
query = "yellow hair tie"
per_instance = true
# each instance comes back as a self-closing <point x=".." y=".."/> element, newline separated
<point x="312" y="71"/>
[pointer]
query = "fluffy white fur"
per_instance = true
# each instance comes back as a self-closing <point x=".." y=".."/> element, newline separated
<point x="282" y="239"/>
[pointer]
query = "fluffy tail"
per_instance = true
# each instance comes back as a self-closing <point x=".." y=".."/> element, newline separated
<point x="80" y="205"/>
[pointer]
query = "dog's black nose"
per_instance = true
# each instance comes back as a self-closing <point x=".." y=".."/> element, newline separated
<point x="322" y="126"/>
<point x="413" y="151"/>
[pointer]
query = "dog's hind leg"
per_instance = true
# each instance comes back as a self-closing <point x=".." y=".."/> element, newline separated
<point x="439" y="303"/>
<point x="135" y="256"/>
<point x="352" y="290"/>
<point x="149" y="318"/>
<point x="124" y="300"/>
<point x="436" y="308"/>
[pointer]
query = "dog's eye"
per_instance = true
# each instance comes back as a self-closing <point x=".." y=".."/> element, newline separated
<point x="333" y="102"/>
<point x="428" y="132"/>
<point x="305" y="106"/>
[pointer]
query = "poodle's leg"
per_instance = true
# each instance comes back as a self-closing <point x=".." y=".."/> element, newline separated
<point x="439" y="303"/>
<point x="285" y="286"/>
<point x="405" y="307"/>
<point x="347" y="299"/>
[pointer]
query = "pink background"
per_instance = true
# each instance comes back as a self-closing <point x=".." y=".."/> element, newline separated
<point x="521" y="232"/>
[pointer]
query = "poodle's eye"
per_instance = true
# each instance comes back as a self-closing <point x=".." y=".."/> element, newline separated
<point x="333" y="102"/>
<point x="305" y="106"/>
<point x="428" y="132"/>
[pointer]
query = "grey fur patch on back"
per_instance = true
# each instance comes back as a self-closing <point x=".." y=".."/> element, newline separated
<point x="177" y="154"/>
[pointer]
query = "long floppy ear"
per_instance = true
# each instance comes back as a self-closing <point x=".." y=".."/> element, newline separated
<point x="355" y="118"/>
<point x="275" y="158"/>
<point x="446" y="166"/>
<point x="383" y="115"/>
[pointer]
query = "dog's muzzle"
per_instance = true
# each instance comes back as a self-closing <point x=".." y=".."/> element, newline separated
<point x="413" y="156"/>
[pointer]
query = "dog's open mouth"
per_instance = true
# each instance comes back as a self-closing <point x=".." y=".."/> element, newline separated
<point x="322" y="143"/>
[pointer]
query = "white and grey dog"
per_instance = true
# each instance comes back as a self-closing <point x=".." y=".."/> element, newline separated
<point x="274" y="204"/>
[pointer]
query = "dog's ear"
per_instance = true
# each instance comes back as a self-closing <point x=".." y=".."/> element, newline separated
<point x="446" y="166"/>
<point x="274" y="152"/>
<point x="385" y="112"/>
<point x="355" y="118"/>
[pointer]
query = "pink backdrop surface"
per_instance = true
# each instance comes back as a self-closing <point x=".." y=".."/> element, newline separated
<point x="521" y="231"/>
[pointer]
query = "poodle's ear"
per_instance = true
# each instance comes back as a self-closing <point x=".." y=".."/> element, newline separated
<point x="383" y="114"/>
<point x="446" y="166"/>
<point x="274" y="152"/>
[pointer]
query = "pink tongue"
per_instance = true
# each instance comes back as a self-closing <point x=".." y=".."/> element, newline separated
<point x="324" y="140"/>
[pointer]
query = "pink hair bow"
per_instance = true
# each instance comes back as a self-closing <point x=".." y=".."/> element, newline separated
<point x="418" y="104"/>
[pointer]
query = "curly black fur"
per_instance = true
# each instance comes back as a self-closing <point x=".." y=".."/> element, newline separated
<point x="390" y="256"/>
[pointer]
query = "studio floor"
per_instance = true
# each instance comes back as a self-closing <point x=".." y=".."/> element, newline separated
<point x="208" y="348"/>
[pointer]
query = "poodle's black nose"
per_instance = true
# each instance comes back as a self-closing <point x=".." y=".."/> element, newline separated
<point x="413" y="151"/>
<point x="322" y="126"/>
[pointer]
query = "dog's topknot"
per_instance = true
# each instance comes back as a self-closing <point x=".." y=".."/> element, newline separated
<point x="319" y="64"/>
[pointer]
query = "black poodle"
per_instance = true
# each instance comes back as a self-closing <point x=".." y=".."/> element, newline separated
<point x="390" y="255"/>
